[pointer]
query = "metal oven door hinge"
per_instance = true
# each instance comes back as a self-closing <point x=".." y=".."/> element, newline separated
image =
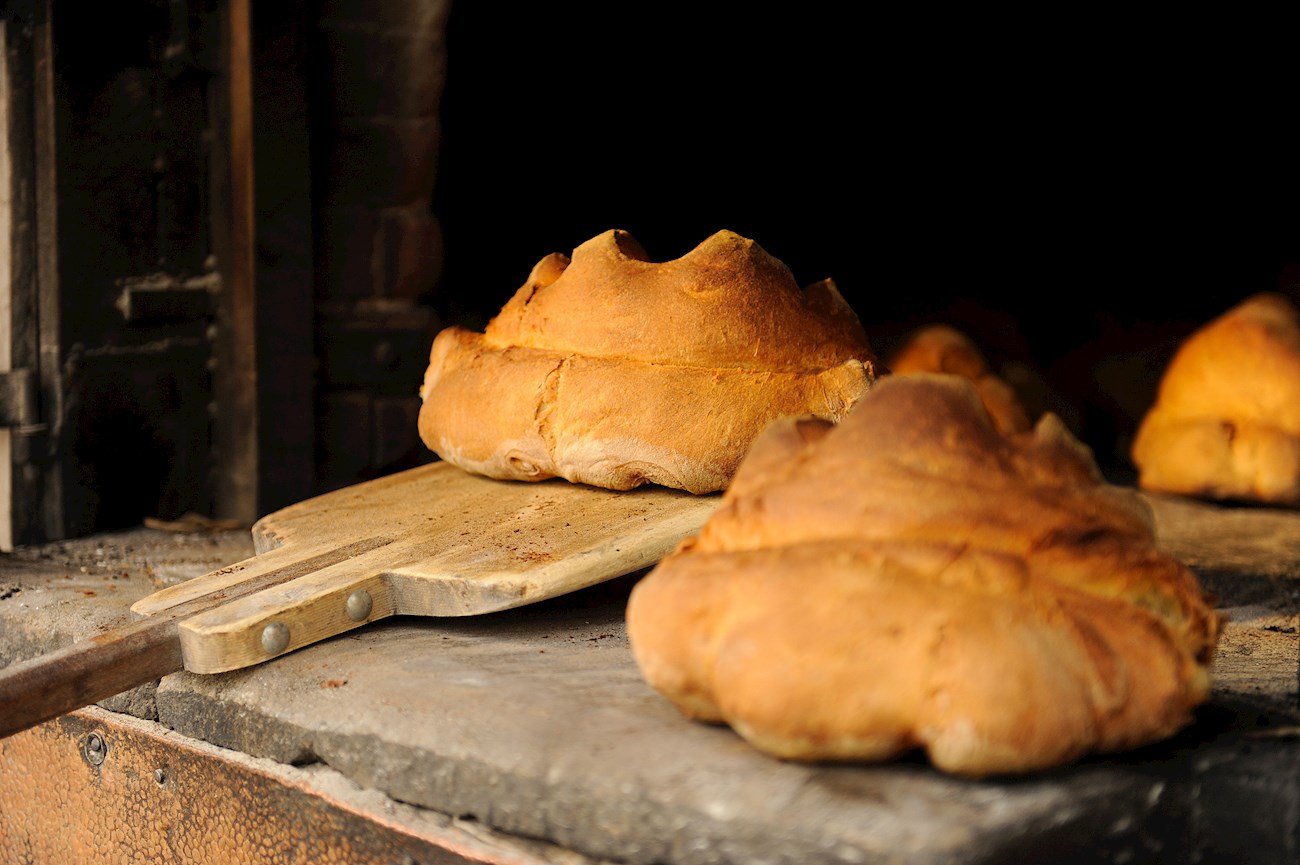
<point x="19" y="412"/>
<point x="18" y="390"/>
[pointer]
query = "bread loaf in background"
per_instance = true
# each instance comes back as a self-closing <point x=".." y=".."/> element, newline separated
<point x="939" y="347"/>
<point x="1225" y="423"/>
<point x="913" y="578"/>
<point x="609" y="369"/>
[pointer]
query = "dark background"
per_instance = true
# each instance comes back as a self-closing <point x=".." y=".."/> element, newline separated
<point x="1073" y="200"/>
<point x="1076" y="194"/>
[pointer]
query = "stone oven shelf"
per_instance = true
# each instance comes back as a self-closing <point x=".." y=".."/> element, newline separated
<point x="529" y="737"/>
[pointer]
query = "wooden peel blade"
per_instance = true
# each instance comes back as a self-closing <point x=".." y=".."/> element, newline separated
<point x="429" y="541"/>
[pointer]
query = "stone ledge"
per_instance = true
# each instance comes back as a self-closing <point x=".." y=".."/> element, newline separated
<point x="535" y="723"/>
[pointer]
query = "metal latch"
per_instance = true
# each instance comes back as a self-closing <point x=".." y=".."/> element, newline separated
<point x="160" y="298"/>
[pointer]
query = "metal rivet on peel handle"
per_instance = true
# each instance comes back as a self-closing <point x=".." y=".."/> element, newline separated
<point x="275" y="637"/>
<point x="359" y="605"/>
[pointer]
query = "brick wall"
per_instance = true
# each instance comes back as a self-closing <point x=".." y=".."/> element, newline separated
<point x="378" y="72"/>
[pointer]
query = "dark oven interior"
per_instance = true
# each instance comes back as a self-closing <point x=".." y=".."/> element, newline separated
<point x="234" y="227"/>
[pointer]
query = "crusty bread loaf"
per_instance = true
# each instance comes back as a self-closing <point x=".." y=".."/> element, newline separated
<point x="940" y="347"/>
<point x="611" y="370"/>
<point x="1225" y="423"/>
<point x="913" y="578"/>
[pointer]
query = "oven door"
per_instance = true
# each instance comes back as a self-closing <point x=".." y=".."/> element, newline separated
<point x="30" y="506"/>
<point x="130" y="364"/>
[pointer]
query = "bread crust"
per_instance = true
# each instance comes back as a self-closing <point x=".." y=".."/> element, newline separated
<point x="614" y="371"/>
<point x="914" y="578"/>
<point x="1225" y="423"/>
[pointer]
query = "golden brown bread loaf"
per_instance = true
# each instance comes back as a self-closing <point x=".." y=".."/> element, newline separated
<point x="612" y="370"/>
<point x="913" y="578"/>
<point x="942" y="348"/>
<point x="1225" y="423"/>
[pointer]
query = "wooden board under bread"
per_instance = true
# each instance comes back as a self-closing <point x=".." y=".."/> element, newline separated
<point x="430" y="541"/>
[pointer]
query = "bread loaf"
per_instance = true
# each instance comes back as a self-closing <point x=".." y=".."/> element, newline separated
<point x="612" y="370"/>
<point x="1225" y="423"/>
<point x="942" y="348"/>
<point x="913" y="578"/>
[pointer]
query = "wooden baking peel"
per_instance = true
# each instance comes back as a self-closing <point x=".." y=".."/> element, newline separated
<point x="430" y="541"/>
